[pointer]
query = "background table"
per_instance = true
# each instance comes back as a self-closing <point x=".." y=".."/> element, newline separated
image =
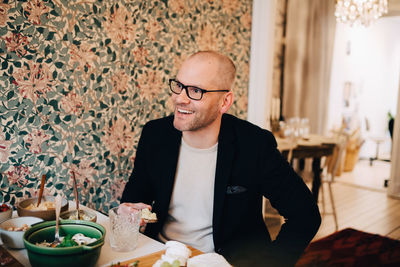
<point x="314" y="150"/>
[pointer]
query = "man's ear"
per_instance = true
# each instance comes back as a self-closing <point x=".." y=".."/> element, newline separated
<point x="227" y="102"/>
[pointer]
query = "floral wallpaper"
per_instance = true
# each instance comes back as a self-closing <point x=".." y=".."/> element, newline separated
<point x="79" y="79"/>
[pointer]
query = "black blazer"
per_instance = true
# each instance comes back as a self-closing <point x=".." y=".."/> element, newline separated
<point x="249" y="166"/>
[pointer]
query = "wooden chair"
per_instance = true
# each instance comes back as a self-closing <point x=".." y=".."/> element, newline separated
<point x="332" y="165"/>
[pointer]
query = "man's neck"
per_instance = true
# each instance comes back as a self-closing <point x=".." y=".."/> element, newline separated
<point x="203" y="138"/>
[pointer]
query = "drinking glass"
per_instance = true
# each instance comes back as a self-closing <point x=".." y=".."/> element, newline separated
<point x="294" y="124"/>
<point x="124" y="230"/>
<point x="305" y="127"/>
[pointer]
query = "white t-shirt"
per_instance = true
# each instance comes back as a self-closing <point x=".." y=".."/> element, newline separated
<point x="191" y="209"/>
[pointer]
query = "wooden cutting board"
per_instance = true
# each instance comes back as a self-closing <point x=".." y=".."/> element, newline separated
<point x="150" y="259"/>
<point x="6" y="259"/>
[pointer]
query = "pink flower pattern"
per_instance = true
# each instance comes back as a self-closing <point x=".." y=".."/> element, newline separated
<point x="119" y="25"/>
<point x="177" y="6"/>
<point x="140" y="54"/>
<point x="152" y="28"/>
<point x="35" y="9"/>
<point x="230" y="6"/>
<point x="16" y="42"/>
<point x="72" y="103"/>
<point x="120" y="82"/>
<point x="35" y="139"/>
<point x="83" y="55"/>
<point x="150" y="84"/>
<point x="33" y="81"/>
<point x="4" y="148"/>
<point x="17" y="175"/>
<point x="245" y="19"/>
<point x="119" y="137"/>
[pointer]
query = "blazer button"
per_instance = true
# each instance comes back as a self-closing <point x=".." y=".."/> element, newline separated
<point x="219" y="250"/>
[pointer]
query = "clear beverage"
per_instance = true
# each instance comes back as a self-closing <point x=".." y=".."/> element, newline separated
<point x="124" y="230"/>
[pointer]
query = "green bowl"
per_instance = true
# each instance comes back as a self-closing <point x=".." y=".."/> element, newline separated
<point x="85" y="255"/>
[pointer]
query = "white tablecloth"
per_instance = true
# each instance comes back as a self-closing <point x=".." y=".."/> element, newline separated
<point x="145" y="246"/>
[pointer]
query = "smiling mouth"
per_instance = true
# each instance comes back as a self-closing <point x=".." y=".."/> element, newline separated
<point x="184" y="111"/>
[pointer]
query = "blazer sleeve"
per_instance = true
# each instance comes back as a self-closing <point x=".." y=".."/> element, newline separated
<point x="138" y="187"/>
<point x="291" y="197"/>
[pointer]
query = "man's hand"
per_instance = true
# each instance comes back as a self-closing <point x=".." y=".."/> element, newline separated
<point x="128" y="208"/>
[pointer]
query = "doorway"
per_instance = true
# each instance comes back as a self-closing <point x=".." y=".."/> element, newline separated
<point x="364" y="90"/>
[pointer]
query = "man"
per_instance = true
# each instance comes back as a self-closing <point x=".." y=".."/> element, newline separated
<point x="206" y="172"/>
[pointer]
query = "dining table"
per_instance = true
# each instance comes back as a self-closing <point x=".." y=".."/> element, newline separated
<point x="312" y="146"/>
<point x="146" y="246"/>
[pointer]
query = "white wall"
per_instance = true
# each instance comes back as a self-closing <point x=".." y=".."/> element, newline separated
<point x="369" y="58"/>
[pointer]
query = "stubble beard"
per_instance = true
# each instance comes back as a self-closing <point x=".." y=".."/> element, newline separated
<point x="197" y="122"/>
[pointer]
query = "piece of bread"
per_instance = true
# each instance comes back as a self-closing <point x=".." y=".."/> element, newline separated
<point x="148" y="216"/>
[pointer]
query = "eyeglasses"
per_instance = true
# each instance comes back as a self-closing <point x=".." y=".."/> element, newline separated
<point x="192" y="92"/>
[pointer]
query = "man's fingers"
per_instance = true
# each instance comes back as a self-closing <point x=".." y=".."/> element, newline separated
<point x="140" y="206"/>
<point x="137" y="206"/>
<point x="127" y="208"/>
<point x="142" y="222"/>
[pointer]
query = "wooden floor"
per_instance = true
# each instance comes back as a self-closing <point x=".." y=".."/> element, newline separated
<point x="361" y="203"/>
<point x="362" y="209"/>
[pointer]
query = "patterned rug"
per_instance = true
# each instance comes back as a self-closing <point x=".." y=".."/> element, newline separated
<point x="350" y="247"/>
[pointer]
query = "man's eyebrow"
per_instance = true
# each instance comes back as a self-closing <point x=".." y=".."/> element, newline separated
<point x="188" y="85"/>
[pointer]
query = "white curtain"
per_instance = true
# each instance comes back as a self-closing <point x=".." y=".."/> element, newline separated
<point x="394" y="182"/>
<point x="308" y="57"/>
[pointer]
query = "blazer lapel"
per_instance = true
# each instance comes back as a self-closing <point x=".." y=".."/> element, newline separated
<point x="169" y="155"/>
<point x="225" y="157"/>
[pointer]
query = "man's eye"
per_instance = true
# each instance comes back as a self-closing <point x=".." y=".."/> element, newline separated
<point x="179" y="85"/>
<point x="195" y="90"/>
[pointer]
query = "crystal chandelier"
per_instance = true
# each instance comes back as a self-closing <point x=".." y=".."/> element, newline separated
<point x="360" y="12"/>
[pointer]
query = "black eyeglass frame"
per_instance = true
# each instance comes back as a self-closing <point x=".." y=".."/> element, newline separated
<point x="185" y="87"/>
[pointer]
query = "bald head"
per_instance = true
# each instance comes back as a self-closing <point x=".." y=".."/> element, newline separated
<point x="200" y="119"/>
<point x="225" y="70"/>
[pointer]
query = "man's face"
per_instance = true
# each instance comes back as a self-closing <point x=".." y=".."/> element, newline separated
<point x="192" y="115"/>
